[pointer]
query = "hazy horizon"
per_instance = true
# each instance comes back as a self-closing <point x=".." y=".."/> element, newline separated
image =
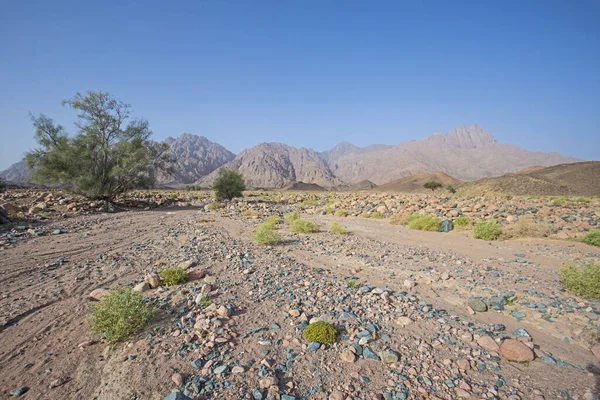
<point x="311" y="74"/>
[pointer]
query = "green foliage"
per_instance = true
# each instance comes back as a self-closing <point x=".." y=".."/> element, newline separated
<point x="107" y="157"/>
<point x="432" y="185"/>
<point x="366" y="215"/>
<point x="266" y="235"/>
<point x="337" y="228"/>
<point x="303" y="226"/>
<point x="213" y="206"/>
<point x="320" y="332"/>
<point x="229" y="184"/>
<point x="592" y="238"/>
<point x="309" y="203"/>
<point x="583" y="281"/>
<point x="204" y="301"/>
<point x="462" y="221"/>
<point x="120" y="314"/>
<point x="173" y="196"/>
<point x="271" y="222"/>
<point x="172" y="276"/>
<point x="352" y="283"/>
<point x="423" y="222"/>
<point x="329" y="210"/>
<point x="290" y="217"/>
<point x="559" y="201"/>
<point x="2" y="184"/>
<point x="450" y="188"/>
<point x="341" y="213"/>
<point x="249" y="213"/>
<point x="376" y="215"/>
<point x="487" y="230"/>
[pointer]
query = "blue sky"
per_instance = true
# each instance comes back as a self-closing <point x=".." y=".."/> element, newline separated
<point x="311" y="72"/>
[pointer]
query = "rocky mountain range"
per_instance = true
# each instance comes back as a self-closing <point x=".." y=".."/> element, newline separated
<point x="465" y="153"/>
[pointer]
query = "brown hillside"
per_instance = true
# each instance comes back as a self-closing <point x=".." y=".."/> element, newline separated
<point x="414" y="183"/>
<point x="579" y="179"/>
<point x="302" y="186"/>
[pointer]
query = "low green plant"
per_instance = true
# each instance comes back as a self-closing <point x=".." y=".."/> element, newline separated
<point x="337" y="228"/>
<point x="352" y="283"/>
<point x="204" y="301"/>
<point x="172" y="276"/>
<point x="592" y="238"/>
<point x="328" y="210"/>
<point x="213" y="206"/>
<point x="462" y="221"/>
<point x="450" y="188"/>
<point x="266" y="235"/>
<point x="271" y="222"/>
<point x="423" y="222"/>
<point x="303" y="226"/>
<point x="290" y="217"/>
<point x="341" y="213"/>
<point x="376" y="215"/>
<point x="320" y="332"/>
<point x="366" y="215"/>
<point x="120" y="314"/>
<point x="559" y="201"/>
<point x="173" y="196"/>
<point x="487" y="230"/>
<point x="583" y="281"/>
<point x="309" y="203"/>
<point x="249" y="213"/>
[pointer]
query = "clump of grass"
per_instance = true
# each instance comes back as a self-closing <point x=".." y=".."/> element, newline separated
<point x="399" y="218"/>
<point x="271" y="222"/>
<point x="592" y="238"/>
<point x="462" y="221"/>
<point x="303" y="226"/>
<point x="366" y="215"/>
<point x="337" y="228"/>
<point x="583" y="281"/>
<point x="249" y="213"/>
<point x="320" y="332"/>
<point x="559" y="201"/>
<point x="423" y="222"/>
<point x="266" y="235"/>
<point x="291" y="217"/>
<point x="204" y="301"/>
<point x="172" y="276"/>
<point x="352" y="283"/>
<point x="309" y="203"/>
<point x="526" y="228"/>
<point x="173" y="196"/>
<point x="487" y="230"/>
<point x="341" y="213"/>
<point x="328" y="210"/>
<point x="120" y="314"/>
<point x="212" y="206"/>
<point x="376" y="215"/>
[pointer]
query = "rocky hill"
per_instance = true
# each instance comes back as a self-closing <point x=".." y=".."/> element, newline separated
<point x="414" y="183"/>
<point x="578" y="179"/>
<point x="17" y="173"/>
<point x="196" y="157"/>
<point x="274" y="165"/>
<point x="465" y="153"/>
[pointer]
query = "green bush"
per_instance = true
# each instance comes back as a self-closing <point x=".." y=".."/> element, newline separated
<point x="303" y="226"/>
<point x="172" y="276"/>
<point x="432" y="185"/>
<point x="2" y="184"/>
<point x="376" y="215"/>
<point x="593" y="238"/>
<point x="423" y="222"/>
<point x="351" y="283"/>
<point x="229" y="184"/>
<point x="290" y="217"/>
<point x="337" y="228"/>
<point x="320" y="332"/>
<point x="309" y="203"/>
<point x="487" y="230"/>
<point x="584" y="281"/>
<point x="266" y="235"/>
<point x="120" y="314"/>
<point x="341" y="213"/>
<point x="249" y="213"/>
<point x="462" y="221"/>
<point x="203" y="301"/>
<point x="271" y="222"/>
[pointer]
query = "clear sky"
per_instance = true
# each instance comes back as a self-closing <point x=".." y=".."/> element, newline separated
<point x="311" y="72"/>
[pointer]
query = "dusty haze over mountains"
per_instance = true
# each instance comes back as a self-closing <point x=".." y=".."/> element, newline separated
<point x="465" y="153"/>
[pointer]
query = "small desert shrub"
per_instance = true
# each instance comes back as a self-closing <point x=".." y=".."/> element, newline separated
<point x="320" y="332"/>
<point x="376" y="215"/>
<point x="398" y="218"/>
<point x="266" y="235"/>
<point x="366" y="215"/>
<point x="303" y="226"/>
<point x="352" y="284"/>
<point x="526" y="228"/>
<point x="249" y="213"/>
<point x="432" y="185"/>
<point x="173" y="196"/>
<point x="290" y="217"/>
<point x="329" y="210"/>
<point x="341" y="213"/>
<point x="213" y="206"/>
<point x="487" y="230"/>
<point x="172" y="276"/>
<point x="120" y="314"/>
<point x="309" y="203"/>
<point x="337" y="228"/>
<point x="592" y="238"/>
<point x="450" y="188"/>
<point x="584" y="281"/>
<point x="229" y="184"/>
<point x="559" y="201"/>
<point x="271" y="222"/>
<point x="204" y="301"/>
<point x="423" y="222"/>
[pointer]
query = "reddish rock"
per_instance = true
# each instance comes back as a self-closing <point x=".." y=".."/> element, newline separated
<point x="513" y="350"/>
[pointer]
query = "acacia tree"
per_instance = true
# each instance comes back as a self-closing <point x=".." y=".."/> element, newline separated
<point x="229" y="184"/>
<point x="110" y="154"/>
<point x="432" y="185"/>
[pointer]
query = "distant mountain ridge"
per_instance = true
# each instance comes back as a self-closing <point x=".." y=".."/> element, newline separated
<point x="465" y="153"/>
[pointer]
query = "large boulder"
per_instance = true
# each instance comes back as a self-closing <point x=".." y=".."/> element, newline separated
<point x="513" y="350"/>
